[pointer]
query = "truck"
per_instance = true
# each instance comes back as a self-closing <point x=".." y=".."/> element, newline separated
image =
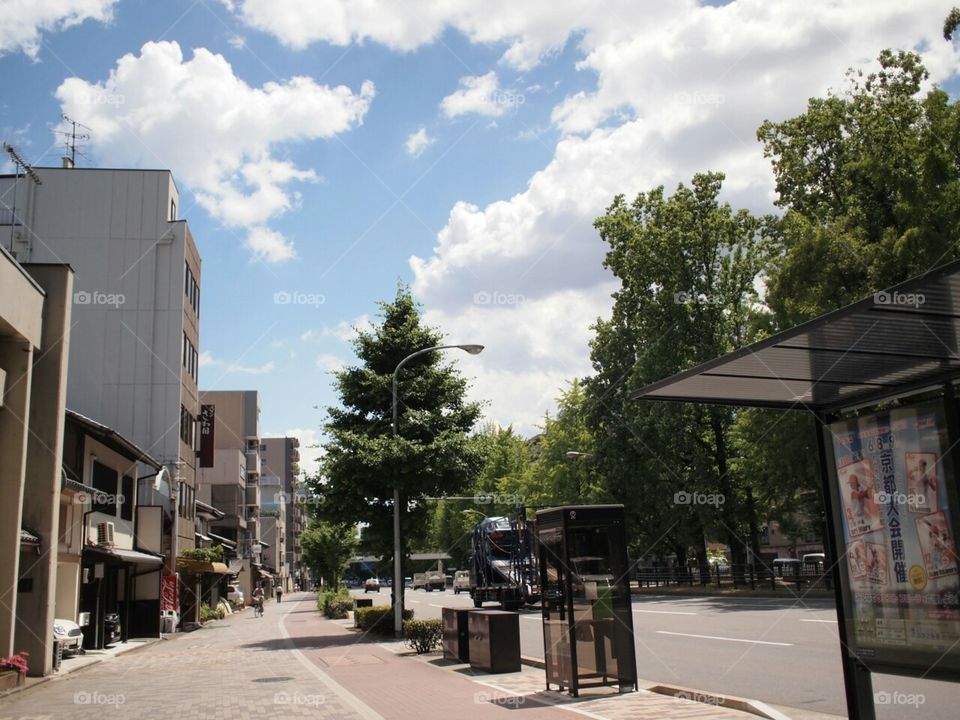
<point x="503" y="566"/>
<point x="430" y="580"/>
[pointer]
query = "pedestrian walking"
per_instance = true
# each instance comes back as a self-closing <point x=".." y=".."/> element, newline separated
<point x="279" y="591"/>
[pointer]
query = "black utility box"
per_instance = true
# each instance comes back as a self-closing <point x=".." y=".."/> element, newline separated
<point x="456" y="634"/>
<point x="494" y="640"/>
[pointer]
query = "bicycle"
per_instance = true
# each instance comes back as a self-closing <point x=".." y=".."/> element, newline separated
<point x="258" y="608"/>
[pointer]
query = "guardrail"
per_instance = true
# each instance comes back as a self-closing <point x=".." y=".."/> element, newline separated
<point x="751" y="576"/>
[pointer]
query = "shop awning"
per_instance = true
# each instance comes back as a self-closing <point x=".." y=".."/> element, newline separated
<point x="126" y="556"/>
<point x="226" y="542"/>
<point x="201" y="567"/>
<point x="897" y="341"/>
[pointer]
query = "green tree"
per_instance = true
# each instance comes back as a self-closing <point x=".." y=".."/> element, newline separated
<point x="870" y="184"/>
<point x="432" y="455"/>
<point x="688" y="266"/>
<point x="327" y="548"/>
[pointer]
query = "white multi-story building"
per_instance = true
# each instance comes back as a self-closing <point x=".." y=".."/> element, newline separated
<point x="283" y="496"/>
<point x="134" y="356"/>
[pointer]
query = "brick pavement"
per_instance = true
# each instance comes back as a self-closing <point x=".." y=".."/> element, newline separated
<point x="293" y="663"/>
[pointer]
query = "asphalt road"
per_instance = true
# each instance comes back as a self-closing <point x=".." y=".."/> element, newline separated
<point x="783" y="652"/>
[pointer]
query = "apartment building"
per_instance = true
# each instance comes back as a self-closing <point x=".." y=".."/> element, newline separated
<point x="134" y="351"/>
<point x="35" y="311"/>
<point x="282" y="493"/>
<point x="230" y="475"/>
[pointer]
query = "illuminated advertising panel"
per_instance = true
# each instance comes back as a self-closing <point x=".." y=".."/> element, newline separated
<point x="895" y="515"/>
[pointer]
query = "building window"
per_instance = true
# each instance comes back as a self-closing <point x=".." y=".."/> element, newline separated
<point x="104" y="489"/>
<point x="186" y="426"/>
<point x="127" y="501"/>
<point x="191" y="288"/>
<point x="191" y="359"/>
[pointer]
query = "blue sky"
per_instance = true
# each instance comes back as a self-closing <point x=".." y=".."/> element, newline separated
<point x="330" y="151"/>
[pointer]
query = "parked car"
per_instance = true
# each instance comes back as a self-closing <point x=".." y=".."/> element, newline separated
<point x="68" y="634"/>
<point x="461" y="582"/>
<point x="111" y="628"/>
<point x="234" y="594"/>
<point x="371" y="585"/>
<point x="818" y="560"/>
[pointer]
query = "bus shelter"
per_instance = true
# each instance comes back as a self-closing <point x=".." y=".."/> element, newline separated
<point x="880" y="377"/>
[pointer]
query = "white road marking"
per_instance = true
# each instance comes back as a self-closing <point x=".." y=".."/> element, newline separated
<point x="717" y="637"/>
<point x="810" y="620"/>
<point x="664" y="612"/>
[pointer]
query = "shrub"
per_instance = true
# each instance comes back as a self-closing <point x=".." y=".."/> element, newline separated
<point x="335" y="604"/>
<point x="16" y="662"/>
<point x="423" y="635"/>
<point x="210" y="554"/>
<point x="378" y="619"/>
<point x="207" y="613"/>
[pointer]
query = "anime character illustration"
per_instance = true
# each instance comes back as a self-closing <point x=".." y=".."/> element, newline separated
<point x="921" y="482"/>
<point x="876" y="563"/>
<point x="939" y="553"/>
<point x="859" y="494"/>
<point x="857" y="560"/>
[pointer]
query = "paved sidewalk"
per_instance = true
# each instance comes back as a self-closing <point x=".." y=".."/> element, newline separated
<point x="391" y="683"/>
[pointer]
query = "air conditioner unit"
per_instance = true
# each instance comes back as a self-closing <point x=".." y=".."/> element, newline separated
<point x="105" y="533"/>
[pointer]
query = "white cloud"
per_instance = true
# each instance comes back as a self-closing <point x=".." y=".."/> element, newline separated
<point x="269" y="245"/>
<point x="418" y="142"/>
<point x="25" y="21"/>
<point x="207" y="360"/>
<point x="329" y="363"/>
<point x="308" y="336"/>
<point x="346" y="330"/>
<point x="476" y="95"/>
<point x="219" y="135"/>
<point x="682" y="93"/>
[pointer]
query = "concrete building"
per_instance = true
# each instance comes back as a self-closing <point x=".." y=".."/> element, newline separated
<point x="282" y="493"/>
<point x="35" y="321"/>
<point x="136" y="304"/>
<point x="230" y="476"/>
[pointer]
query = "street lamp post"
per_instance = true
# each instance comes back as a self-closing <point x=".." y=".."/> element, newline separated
<point x="397" y="560"/>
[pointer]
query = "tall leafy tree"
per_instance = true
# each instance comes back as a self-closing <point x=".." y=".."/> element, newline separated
<point x="870" y="184"/>
<point x="327" y="548"/>
<point x="688" y="265"/>
<point x="432" y="454"/>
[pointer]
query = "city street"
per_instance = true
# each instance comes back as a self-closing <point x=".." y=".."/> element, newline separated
<point x="780" y="651"/>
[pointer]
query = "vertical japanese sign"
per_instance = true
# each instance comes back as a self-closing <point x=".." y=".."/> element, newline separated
<point x="208" y="415"/>
<point x="897" y="544"/>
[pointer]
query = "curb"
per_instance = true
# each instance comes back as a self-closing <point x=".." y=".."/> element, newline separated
<point x="754" y="707"/>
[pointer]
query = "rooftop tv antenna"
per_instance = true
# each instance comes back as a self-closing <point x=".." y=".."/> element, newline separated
<point x="22" y="166"/>
<point x="72" y="136"/>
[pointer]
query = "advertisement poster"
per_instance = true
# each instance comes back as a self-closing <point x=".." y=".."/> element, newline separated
<point x="170" y="593"/>
<point x="898" y="544"/>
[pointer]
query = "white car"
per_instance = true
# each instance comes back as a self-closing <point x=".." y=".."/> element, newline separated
<point x="69" y="634"/>
<point x="461" y="582"/>
<point x="234" y="594"/>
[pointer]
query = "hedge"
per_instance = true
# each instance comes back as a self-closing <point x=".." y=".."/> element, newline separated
<point x="423" y="635"/>
<point x="378" y="619"/>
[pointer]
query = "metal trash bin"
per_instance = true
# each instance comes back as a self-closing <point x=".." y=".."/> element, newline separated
<point x="456" y="634"/>
<point x="494" y="640"/>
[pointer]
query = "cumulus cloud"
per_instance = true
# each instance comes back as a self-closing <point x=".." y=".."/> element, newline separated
<point x="25" y="21"/>
<point x="672" y="98"/>
<point x="418" y="142"/>
<point x="329" y="363"/>
<point x="222" y="137"/>
<point x="529" y="29"/>
<point x="476" y="95"/>
<point x="269" y="245"/>
<point x="208" y="360"/>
